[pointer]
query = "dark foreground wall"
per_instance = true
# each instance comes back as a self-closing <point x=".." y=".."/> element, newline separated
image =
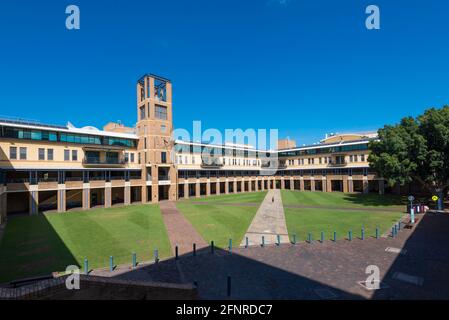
<point x="101" y="288"/>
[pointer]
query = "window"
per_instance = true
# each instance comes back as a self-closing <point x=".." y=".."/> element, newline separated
<point x="126" y="157"/>
<point x="74" y="155"/>
<point x="49" y="154"/>
<point x="41" y="154"/>
<point x="163" y="128"/>
<point x="164" y="157"/>
<point x="142" y="112"/>
<point x="132" y="157"/>
<point x="66" y="155"/>
<point x="161" y="112"/>
<point x="362" y="157"/>
<point x="351" y="158"/>
<point x="23" y="153"/>
<point x="13" y="153"/>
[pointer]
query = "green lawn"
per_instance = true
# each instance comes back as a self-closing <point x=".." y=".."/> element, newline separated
<point x="35" y="245"/>
<point x="219" y="223"/>
<point x="343" y="200"/>
<point x="249" y="197"/>
<point x="303" y="221"/>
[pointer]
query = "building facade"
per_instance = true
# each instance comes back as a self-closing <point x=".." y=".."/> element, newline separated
<point x="46" y="167"/>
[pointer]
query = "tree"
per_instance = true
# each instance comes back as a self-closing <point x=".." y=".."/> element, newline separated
<point x="415" y="150"/>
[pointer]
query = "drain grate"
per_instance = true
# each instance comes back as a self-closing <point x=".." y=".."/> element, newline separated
<point x="396" y="250"/>
<point x="408" y="278"/>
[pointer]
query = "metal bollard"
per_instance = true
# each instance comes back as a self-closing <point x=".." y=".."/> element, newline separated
<point x="335" y="236"/>
<point x="392" y="232"/>
<point x="350" y="235"/>
<point x="176" y="253"/>
<point x="111" y="263"/>
<point x="86" y="266"/>
<point x="294" y="239"/>
<point x="194" y="249"/>
<point x="228" y="291"/>
<point x="363" y="233"/>
<point x="246" y="242"/>
<point x="278" y="240"/>
<point x="377" y="232"/>
<point x="212" y="247"/>
<point x="230" y="245"/>
<point x="134" y="260"/>
<point x="322" y="236"/>
<point x="309" y="238"/>
<point x="156" y="256"/>
<point x="263" y="241"/>
<point x="399" y="225"/>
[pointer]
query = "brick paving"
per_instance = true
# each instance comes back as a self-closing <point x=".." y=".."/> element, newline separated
<point x="329" y="270"/>
<point x="269" y="221"/>
<point x="180" y="232"/>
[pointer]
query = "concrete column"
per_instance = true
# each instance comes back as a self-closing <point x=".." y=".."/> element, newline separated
<point x="350" y="185"/>
<point x="154" y="184"/>
<point x="186" y="190"/>
<point x="250" y="185"/>
<point x="292" y="184"/>
<point x="144" y="192"/>
<point x="3" y="204"/>
<point x="208" y="189"/>
<point x="127" y="194"/>
<point x="61" y="198"/>
<point x="217" y="188"/>
<point x="282" y="183"/>
<point x="34" y="201"/>
<point x="86" y="196"/>
<point x="365" y="185"/>
<point x="197" y="190"/>
<point x="301" y="183"/>
<point x="235" y="185"/>
<point x="324" y="184"/>
<point x="312" y="184"/>
<point x="345" y="184"/>
<point x="262" y="185"/>
<point x="329" y="185"/>
<point x="256" y="185"/>
<point x="226" y="187"/>
<point x="381" y="186"/>
<point x="107" y="195"/>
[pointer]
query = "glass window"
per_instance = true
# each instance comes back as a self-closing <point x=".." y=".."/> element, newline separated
<point x="49" y="154"/>
<point x="41" y="154"/>
<point x="161" y="112"/>
<point x="66" y="155"/>
<point x="142" y="112"/>
<point x="126" y="157"/>
<point x="13" y="153"/>
<point x="74" y="155"/>
<point x="164" y="157"/>
<point x="132" y="157"/>
<point x="23" y="153"/>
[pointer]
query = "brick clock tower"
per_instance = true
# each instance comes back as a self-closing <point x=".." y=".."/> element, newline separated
<point x="155" y="146"/>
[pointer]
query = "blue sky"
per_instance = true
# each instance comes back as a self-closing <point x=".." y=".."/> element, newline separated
<point x="304" y="67"/>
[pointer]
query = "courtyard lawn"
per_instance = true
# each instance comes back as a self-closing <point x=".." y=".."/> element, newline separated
<point x="36" y="245"/>
<point x="245" y="197"/>
<point x="303" y="221"/>
<point x="219" y="223"/>
<point x="343" y="200"/>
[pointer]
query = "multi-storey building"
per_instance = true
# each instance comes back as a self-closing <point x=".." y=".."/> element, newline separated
<point x="46" y="167"/>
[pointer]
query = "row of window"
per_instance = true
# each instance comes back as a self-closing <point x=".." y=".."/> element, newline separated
<point x="160" y="112"/>
<point x="42" y="135"/>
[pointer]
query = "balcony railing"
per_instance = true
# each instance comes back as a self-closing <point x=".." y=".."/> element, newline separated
<point x="98" y="161"/>
<point x="209" y="162"/>
<point x="162" y="177"/>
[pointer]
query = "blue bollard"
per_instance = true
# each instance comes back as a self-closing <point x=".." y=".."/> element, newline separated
<point x="309" y="238"/>
<point x="392" y="232"/>
<point x="246" y="242"/>
<point x="377" y="232"/>
<point x="156" y="256"/>
<point x="294" y="239"/>
<point x="363" y="233"/>
<point x="212" y="247"/>
<point x="350" y="235"/>
<point x="86" y="266"/>
<point x="263" y="241"/>
<point x="278" y="240"/>
<point x="335" y="236"/>
<point x="194" y="250"/>
<point x="322" y="236"/>
<point x="134" y="258"/>
<point x="230" y="245"/>
<point x="228" y="287"/>
<point x="111" y="263"/>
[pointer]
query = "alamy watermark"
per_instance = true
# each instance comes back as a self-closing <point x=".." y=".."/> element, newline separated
<point x="72" y="22"/>
<point x="72" y="282"/>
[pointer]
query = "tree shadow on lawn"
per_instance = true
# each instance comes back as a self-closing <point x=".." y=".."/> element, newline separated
<point x="376" y="200"/>
<point x="31" y="247"/>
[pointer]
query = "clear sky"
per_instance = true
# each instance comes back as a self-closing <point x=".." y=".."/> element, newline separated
<point x="304" y="67"/>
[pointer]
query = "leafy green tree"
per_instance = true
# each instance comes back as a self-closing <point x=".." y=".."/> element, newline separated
<point x="415" y="150"/>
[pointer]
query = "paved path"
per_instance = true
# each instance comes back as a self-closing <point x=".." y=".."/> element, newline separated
<point x="268" y="222"/>
<point x="179" y="229"/>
